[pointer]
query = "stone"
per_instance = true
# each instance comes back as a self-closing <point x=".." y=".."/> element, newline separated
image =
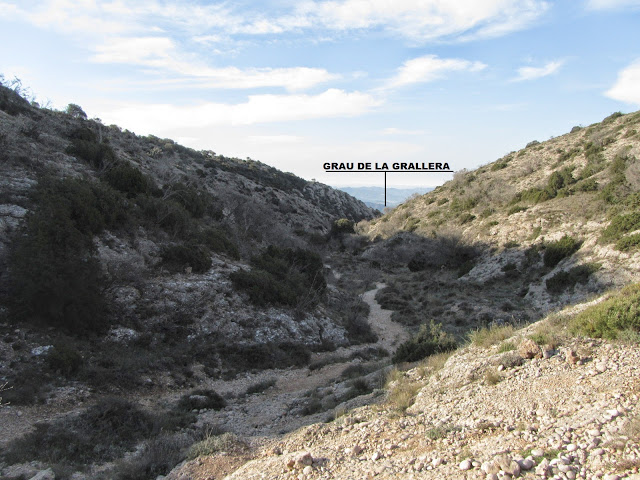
<point x="303" y="459"/>
<point x="537" y="452"/>
<point x="44" y="475"/>
<point x="572" y="357"/>
<point x="465" y="464"/>
<point x="529" y="349"/>
<point x="527" y="463"/>
<point x="490" y="467"/>
<point x="308" y="470"/>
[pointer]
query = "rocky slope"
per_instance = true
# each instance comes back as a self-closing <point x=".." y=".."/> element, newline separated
<point x="566" y="410"/>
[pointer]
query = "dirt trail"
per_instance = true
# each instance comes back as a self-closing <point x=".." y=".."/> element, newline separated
<point x="268" y="414"/>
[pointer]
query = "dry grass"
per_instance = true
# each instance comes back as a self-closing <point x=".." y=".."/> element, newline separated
<point x="486" y="337"/>
<point x="402" y="391"/>
<point x="433" y="364"/>
<point x="492" y="377"/>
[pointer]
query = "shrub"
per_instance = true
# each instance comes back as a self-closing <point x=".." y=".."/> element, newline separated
<point x="260" y="386"/>
<point x="166" y="214"/>
<point x="620" y="225"/>
<point x="215" y="443"/>
<point x="56" y="280"/>
<point x="532" y="143"/>
<point x="85" y="145"/>
<point x="628" y="243"/>
<point x="217" y="241"/>
<point x="466" y="218"/>
<point x="282" y="276"/>
<point x="75" y="111"/>
<point x="342" y="226"/>
<point x="556" y="251"/>
<point x="64" y="358"/>
<point x="499" y="165"/>
<point x="197" y="202"/>
<point x="177" y="258"/>
<point x="127" y="179"/>
<point x="612" y="317"/>
<point x="564" y="280"/>
<point x="201" y="399"/>
<point x="516" y="209"/>
<point x="429" y="340"/>
<point x="100" y="433"/>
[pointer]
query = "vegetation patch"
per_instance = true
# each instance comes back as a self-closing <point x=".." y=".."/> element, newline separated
<point x="429" y="340"/>
<point x="555" y="252"/>
<point x="177" y="258"/>
<point x="566" y="280"/>
<point x="611" y="318"/>
<point x="100" y="433"/>
<point x="282" y="276"/>
<point x="488" y="336"/>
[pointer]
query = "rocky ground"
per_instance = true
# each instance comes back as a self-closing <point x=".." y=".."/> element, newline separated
<point x="568" y="412"/>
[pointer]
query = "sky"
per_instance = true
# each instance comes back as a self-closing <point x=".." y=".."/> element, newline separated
<point x="295" y="84"/>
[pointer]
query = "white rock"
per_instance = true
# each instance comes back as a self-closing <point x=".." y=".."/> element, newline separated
<point x="465" y="465"/>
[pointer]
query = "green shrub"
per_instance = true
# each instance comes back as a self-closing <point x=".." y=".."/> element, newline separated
<point x="587" y="185"/>
<point x="75" y="111"/>
<point x="217" y="241"/>
<point x="488" y="336"/>
<point x="102" y="432"/>
<point x="85" y="145"/>
<point x="282" y="276"/>
<point x="167" y="215"/>
<point x="461" y="204"/>
<point x="55" y="278"/>
<point x="556" y="251"/>
<point x="342" y="226"/>
<point x="127" y="179"/>
<point x="612" y="317"/>
<point x="429" y="340"/>
<point x="565" y="280"/>
<point x="64" y="358"/>
<point x="620" y="225"/>
<point x="516" y="209"/>
<point x="499" y="165"/>
<point x="197" y="202"/>
<point x="466" y="218"/>
<point x="215" y="443"/>
<point x="630" y="242"/>
<point x="261" y="386"/>
<point x="177" y="258"/>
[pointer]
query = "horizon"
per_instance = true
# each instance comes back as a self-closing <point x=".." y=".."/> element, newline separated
<point x="294" y="85"/>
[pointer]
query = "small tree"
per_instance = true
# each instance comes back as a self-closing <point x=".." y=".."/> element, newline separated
<point x="75" y="111"/>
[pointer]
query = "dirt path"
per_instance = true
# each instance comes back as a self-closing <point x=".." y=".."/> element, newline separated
<point x="270" y="413"/>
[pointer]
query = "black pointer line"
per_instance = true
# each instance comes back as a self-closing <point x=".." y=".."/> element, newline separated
<point x="385" y="175"/>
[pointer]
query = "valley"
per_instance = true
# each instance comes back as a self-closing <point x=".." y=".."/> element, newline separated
<point x="173" y="313"/>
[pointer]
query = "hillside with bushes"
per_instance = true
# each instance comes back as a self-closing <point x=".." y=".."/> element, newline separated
<point x="172" y="312"/>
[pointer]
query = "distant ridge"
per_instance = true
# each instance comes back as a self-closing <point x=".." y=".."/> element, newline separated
<point x="374" y="196"/>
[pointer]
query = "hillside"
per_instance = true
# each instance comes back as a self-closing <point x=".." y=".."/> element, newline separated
<point x="172" y="312"/>
<point x="502" y="407"/>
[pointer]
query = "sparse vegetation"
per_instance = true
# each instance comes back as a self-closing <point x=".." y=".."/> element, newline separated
<point x="610" y="318"/>
<point x="557" y="251"/>
<point x="488" y="336"/>
<point x="429" y="340"/>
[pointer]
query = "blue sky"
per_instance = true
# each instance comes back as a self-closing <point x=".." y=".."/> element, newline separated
<point x="297" y="83"/>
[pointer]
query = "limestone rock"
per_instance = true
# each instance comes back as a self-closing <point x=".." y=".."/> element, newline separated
<point x="529" y="349"/>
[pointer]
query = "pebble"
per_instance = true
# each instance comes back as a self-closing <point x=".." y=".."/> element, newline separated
<point x="465" y="465"/>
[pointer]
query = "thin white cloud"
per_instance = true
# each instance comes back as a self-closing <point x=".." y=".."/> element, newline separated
<point x="430" y="68"/>
<point x="257" y="109"/>
<point x="417" y="20"/>
<point x="400" y="131"/>
<point x="611" y="4"/>
<point x="627" y="86"/>
<point x="274" y="139"/>
<point x="533" y="73"/>
<point x="425" y="20"/>
<point x="161" y="53"/>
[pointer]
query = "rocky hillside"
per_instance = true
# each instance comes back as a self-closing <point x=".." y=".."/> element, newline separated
<point x="548" y="225"/>
<point x="162" y="306"/>
<point x="538" y="403"/>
